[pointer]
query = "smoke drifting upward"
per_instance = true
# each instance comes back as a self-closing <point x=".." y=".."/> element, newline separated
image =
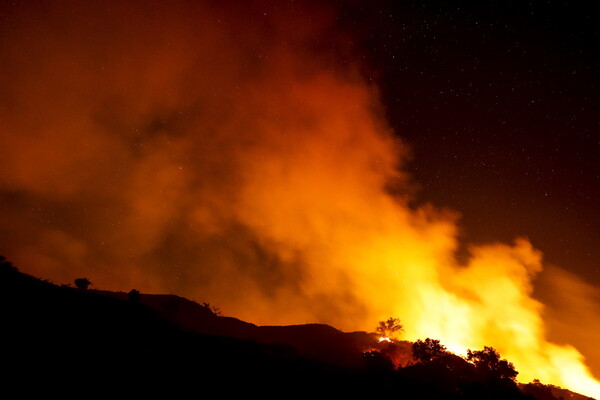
<point x="231" y="156"/>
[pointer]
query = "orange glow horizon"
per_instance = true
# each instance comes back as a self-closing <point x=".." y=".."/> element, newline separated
<point x="235" y="162"/>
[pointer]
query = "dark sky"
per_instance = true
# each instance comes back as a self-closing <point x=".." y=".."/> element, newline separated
<point x="499" y="102"/>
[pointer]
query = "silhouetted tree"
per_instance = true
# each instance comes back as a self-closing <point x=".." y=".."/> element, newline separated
<point x="390" y="327"/>
<point x="82" y="283"/>
<point x="134" y="296"/>
<point x="427" y="350"/>
<point x="488" y="362"/>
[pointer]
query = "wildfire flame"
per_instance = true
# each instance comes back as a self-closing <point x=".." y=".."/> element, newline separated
<point x="228" y="160"/>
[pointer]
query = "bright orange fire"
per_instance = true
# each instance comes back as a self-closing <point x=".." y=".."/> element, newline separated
<point x="230" y="160"/>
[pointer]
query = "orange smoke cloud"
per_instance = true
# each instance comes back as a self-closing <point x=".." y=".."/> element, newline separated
<point x="184" y="149"/>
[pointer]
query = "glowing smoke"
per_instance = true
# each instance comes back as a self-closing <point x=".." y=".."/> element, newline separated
<point x="226" y="155"/>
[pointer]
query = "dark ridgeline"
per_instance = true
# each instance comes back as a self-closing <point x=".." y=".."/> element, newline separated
<point x="77" y="341"/>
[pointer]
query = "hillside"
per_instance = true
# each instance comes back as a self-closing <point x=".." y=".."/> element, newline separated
<point x="315" y="341"/>
<point x="58" y="339"/>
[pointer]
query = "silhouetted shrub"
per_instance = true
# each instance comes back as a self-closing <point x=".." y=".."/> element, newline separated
<point x="82" y="283"/>
<point x="6" y="267"/>
<point x="489" y="364"/>
<point x="427" y="350"/>
<point x="134" y="296"/>
<point x="213" y="309"/>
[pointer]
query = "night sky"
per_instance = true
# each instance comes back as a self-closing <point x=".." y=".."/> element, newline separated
<point x="499" y="103"/>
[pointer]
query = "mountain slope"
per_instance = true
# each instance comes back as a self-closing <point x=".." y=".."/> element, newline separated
<point x="58" y="340"/>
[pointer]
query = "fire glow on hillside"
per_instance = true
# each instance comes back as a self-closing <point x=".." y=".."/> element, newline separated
<point x="235" y="161"/>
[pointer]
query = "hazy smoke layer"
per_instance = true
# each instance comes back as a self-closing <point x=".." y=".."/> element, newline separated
<point x="230" y="155"/>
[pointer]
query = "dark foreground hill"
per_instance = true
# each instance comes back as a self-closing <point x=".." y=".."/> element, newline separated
<point x="313" y="341"/>
<point x="62" y="340"/>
